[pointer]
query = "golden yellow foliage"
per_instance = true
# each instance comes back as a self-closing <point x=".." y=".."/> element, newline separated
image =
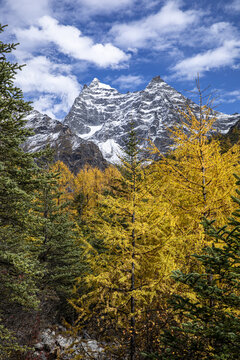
<point x="196" y="179"/>
<point x="66" y="181"/>
<point x="129" y="252"/>
<point x="89" y="184"/>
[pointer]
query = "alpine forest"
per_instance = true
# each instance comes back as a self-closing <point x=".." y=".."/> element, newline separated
<point x="137" y="260"/>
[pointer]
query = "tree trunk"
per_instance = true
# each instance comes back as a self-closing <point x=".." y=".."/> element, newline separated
<point x="133" y="320"/>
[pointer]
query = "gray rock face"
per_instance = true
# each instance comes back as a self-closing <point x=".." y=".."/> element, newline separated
<point x="102" y="114"/>
<point x="69" y="148"/>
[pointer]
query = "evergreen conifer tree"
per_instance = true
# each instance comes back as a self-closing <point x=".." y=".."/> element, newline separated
<point x="18" y="175"/>
<point x="208" y="326"/>
<point x="58" y="251"/>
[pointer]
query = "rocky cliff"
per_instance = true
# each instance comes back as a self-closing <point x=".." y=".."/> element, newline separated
<point x="69" y="148"/>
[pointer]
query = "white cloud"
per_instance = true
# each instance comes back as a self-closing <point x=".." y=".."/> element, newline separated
<point x="226" y="97"/>
<point x="129" y="81"/>
<point x="70" y="41"/>
<point x="45" y="105"/>
<point x="234" y="95"/>
<point x="104" y="6"/>
<point x="217" y="46"/>
<point x="52" y="81"/>
<point x="222" y="31"/>
<point x="211" y="36"/>
<point x="234" y="6"/>
<point x="225" y="55"/>
<point x="151" y="29"/>
<point x="24" y="12"/>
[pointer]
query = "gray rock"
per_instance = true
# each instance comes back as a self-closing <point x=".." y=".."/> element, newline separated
<point x="58" y="342"/>
<point x="95" y="130"/>
<point x="102" y="114"/>
<point x="69" y="148"/>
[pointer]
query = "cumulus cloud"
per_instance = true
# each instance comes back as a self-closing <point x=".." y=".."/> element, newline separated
<point x="142" y="33"/>
<point x="57" y="87"/>
<point x="70" y="41"/>
<point x="24" y="12"/>
<point x="129" y="81"/>
<point x="224" y="55"/>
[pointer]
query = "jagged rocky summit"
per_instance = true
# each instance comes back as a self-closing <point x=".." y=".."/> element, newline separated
<point x="69" y="148"/>
<point x="100" y="119"/>
<point x="101" y="114"/>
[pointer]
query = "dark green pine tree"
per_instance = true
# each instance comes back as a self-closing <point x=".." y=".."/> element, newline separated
<point x="208" y="325"/>
<point x="18" y="175"/>
<point x="59" y="252"/>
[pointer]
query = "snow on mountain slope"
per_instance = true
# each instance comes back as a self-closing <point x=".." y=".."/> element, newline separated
<point x="70" y="148"/>
<point x="101" y="114"/>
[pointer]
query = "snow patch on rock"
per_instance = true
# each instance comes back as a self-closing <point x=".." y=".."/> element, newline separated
<point x="111" y="150"/>
<point x="93" y="130"/>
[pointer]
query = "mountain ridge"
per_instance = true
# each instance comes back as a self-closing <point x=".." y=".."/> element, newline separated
<point x="69" y="148"/>
<point x="95" y="130"/>
<point x="101" y="114"/>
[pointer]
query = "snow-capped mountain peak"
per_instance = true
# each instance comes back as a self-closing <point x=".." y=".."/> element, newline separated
<point x="101" y="114"/>
<point x="96" y="84"/>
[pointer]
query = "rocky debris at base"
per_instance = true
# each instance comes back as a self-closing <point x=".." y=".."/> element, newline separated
<point x="55" y="344"/>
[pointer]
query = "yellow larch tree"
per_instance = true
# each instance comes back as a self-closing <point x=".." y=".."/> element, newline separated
<point x="129" y="264"/>
<point x="198" y="178"/>
<point x="66" y="181"/>
<point x="89" y="184"/>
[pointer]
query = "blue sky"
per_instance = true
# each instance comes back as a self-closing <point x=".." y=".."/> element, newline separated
<point x="124" y="43"/>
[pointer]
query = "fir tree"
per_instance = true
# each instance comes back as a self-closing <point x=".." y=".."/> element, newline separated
<point x="58" y="250"/>
<point x="18" y="264"/>
<point x="210" y="321"/>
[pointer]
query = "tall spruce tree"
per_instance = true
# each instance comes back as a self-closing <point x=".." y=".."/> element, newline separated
<point x="58" y="251"/>
<point x="18" y="263"/>
<point x="210" y="320"/>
